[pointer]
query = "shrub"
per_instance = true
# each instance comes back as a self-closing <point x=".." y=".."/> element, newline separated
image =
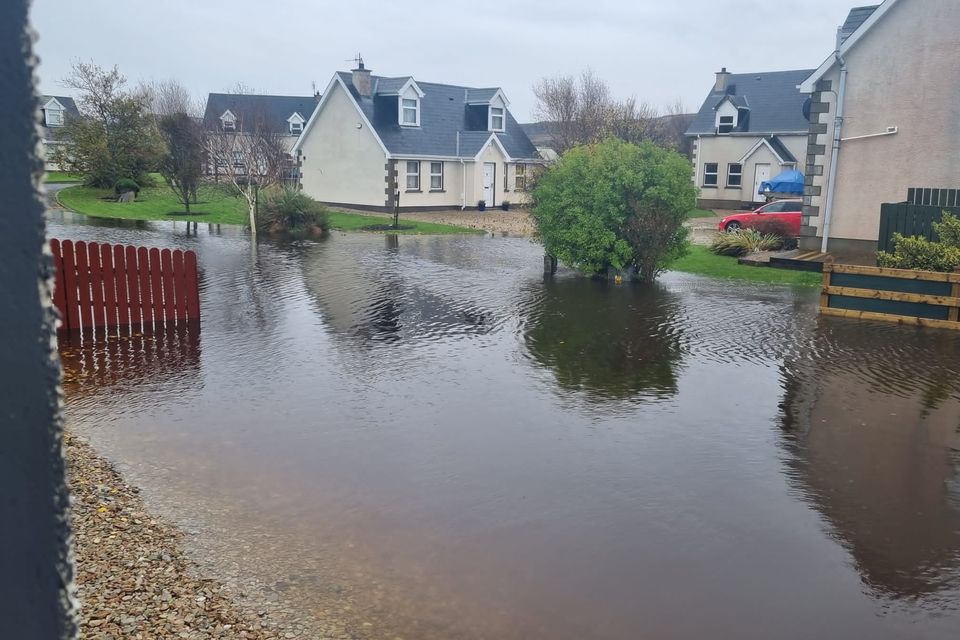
<point x="291" y="212"/>
<point x="914" y="252"/>
<point x="773" y="226"/>
<point x="615" y="205"/>
<point x="740" y="243"/>
<point x="948" y="229"/>
<point x="126" y="184"/>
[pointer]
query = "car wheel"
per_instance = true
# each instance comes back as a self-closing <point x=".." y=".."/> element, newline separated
<point x="733" y="227"/>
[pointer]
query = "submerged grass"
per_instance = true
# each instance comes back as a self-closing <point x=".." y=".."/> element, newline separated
<point x="700" y="261"/>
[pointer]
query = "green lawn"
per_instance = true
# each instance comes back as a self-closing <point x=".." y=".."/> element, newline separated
<point x="702" y="262"/>
<point x="218" y="205"/>
<point x="58" y="177"/>
<point x="700" y="213"/>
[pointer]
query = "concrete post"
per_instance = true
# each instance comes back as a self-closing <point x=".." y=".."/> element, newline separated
<point x="35" y="561"/>
<point x="549" y="264"/>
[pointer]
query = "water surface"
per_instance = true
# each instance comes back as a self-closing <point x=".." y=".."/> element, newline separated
<point x="420" y="437"/>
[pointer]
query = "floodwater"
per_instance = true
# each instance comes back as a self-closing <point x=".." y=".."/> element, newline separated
<point x="420" y="437"/>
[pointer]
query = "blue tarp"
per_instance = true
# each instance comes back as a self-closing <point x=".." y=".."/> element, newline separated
<point x="790" y="181"/>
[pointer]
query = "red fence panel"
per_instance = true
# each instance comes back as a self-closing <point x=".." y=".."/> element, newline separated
<point x="99" y="286"/>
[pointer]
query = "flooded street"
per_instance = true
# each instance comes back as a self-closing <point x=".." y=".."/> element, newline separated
<point x="420" y="437"/>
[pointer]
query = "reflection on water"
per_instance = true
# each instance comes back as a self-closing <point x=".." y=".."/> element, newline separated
<point x="874" y="436"/>
<point x="613" y="341"/>
<point x="421" y="437"/>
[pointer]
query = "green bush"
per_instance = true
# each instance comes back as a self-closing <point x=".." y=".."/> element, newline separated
<point x="126" y="184"/>
<point x="948" y="229"/>
<point x="291" y="212"/>
<point x="740" y="243"/>
<point x="914" y="252"/>
<point x="615" y="205"/>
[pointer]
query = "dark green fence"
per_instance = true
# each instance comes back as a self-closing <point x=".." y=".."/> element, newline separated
<point x="909" y="220"/>
<point x="934" y="197"/>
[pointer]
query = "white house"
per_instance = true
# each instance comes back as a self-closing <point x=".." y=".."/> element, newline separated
<point x="750" y="128"/>
<point x="54" y="111"/>
<point x="436" y="146"/>
<point x="885" y="117"/>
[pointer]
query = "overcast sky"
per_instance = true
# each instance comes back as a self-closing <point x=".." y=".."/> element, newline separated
<point x="656" y="50"/>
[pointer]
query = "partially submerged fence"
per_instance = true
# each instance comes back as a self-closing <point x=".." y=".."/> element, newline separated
<point x="920" y="298"/>
<point x="101" y="286"/>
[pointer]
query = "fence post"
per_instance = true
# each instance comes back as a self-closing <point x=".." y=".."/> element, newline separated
<point x="827" y="271"/>
<point x="954" y="313"/>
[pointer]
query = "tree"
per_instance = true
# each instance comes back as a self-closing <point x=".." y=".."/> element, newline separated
<point x="114" y="137"/>
<point x="252" y="158"/>
<point x="182" y="162"/>
<point x="168" y="97"/>
<point x="615" y="205"/>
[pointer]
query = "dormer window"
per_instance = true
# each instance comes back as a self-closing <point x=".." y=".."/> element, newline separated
<point x="497" y="118"/>
<point x="53" y="117"/>
<point x="725" y="124"/>
<point x="410" y="112"/>
<point x="228" y="121"/>
<point x="296" y="124"/>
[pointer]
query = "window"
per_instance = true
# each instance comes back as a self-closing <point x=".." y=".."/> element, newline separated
<point x="227" y="125"/>
<point x="710" y="174"/>
<point x="54" y="117"/>
<point x="496" y="118"/>
<point x="413" y="175"/>
<point x="734" y="174"/>
<point x="520" y="177"/>
<point x="436" y="176"/>
<point x="725" y="124"/>
<point x="296" y="128"/>
<point x="237" y="159"/>
<point x="410" y="112"/>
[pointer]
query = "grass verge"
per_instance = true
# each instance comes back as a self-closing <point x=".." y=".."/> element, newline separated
<point x="699" y="213"/>
<point x="216" y="204"/>
<point x="60" y="177"/>
<point x="701" y="262"/>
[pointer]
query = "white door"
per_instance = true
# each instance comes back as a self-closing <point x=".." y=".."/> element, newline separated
<point x="762" y="174"/>
<point x="489" y="177"/>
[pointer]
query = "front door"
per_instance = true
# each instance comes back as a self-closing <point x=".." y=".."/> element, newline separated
<point x="489" y="180"/>
<point x="761" y="175"/>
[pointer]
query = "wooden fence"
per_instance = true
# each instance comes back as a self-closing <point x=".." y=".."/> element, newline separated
<point x="920" y="298"/>
<point x="909" y="220"/>
<point x="102" y="286"/>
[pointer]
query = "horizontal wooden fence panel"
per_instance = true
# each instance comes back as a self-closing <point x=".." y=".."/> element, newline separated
<point x="919" y="298"/>
<point x="102" y="286"/>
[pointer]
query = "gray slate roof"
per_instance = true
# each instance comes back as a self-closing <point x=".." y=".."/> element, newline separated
<point x="48" y="133"/>
<point x="443" y="113"/>
<point x="856" y="17"/>
<point x="276" y="109"/>
<point x="775" y="103"/>
<point x="781" y="150"/>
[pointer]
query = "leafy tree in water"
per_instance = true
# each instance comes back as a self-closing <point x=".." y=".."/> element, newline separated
<point x="182" y="163"/>
<point x="114" y="137"/>
<point x="616" y="205"/>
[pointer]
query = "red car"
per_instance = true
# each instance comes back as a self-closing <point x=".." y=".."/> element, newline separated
<point x="787" y="211"/>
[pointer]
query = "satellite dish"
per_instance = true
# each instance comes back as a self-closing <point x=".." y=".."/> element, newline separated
<point x="806" y="109"/>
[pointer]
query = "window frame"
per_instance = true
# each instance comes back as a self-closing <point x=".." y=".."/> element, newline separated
<point x="502" y="116"/>
<point x="738" y="175"/>
<point x="228" y="125"/>
<point x="721" y="124"/>
<point x="403" y="111"/>
<point x="520" y="177"/>
<point x="299" y="130"/>
<point x="56" y="121"/>
<point x="715" y="173"/>
<point x="434" y="174"/>
<point x="415" y="175"/>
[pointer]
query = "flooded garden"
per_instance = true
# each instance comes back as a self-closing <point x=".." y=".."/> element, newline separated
<point x="422" y="437"/>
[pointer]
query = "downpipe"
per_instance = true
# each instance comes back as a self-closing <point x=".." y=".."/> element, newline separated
<point x="834" y="154"/>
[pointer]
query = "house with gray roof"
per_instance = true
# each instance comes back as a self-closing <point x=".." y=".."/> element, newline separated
<point x="751" y="127"/>
<point x="884" y="119"/>
<point x="375" y="141"/>
<point x="54" y="112"/>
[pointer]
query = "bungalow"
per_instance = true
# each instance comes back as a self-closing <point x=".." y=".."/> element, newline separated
<point x="750" y="128"/>
<point x="54" y="111"/>
<point x="373" y="140"/>
<point x="884" y="118"/>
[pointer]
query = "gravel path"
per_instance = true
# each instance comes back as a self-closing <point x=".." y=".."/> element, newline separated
<point x="133" y="580"/>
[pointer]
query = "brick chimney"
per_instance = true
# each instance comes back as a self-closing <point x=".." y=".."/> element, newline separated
<point x="723" y="76"/>
<point x="361" y="79"/>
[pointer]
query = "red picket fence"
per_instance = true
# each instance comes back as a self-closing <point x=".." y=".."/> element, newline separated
<point x="99" y="286"/>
